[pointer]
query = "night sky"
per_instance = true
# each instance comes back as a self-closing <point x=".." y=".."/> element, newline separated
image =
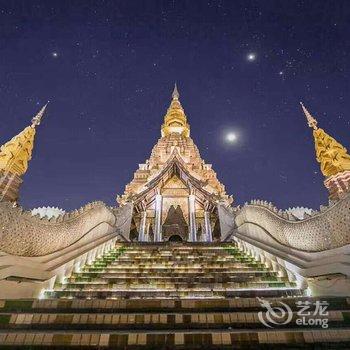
<point x="109" y="67"/>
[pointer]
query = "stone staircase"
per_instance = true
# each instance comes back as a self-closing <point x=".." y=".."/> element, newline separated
<point x="179" y="296"/>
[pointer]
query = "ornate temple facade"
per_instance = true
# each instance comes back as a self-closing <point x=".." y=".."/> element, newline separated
<point x="177" y="264"/>
<point x="175" y="194"/>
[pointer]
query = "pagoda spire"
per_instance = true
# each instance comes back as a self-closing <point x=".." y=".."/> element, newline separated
<point x="175" y="93"/>
<point x="175" y="120"/>
<point x="14" y="158"/>
<point x="312" y="122"/>
<point x="332" y="156"/>
<point x="37" y="118"/>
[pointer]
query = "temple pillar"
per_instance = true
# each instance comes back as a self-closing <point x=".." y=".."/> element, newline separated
<point x="192" y="216"/>
<point x="147" y="231"/>
<point x="158" y="219"/>
<point x="142" y="230"/>
<point x="208" y="232"/>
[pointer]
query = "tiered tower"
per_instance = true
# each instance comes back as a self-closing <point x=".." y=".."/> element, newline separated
<point x="175" y="193"/>
<point x="333" y="158"/>
<point x="14" y="158"/>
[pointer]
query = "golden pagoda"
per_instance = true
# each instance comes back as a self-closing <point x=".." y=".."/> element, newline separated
<point x="333" y="158"/>
<point x="14" y="158"/>
<point x="175" y="193"/>
<point x="175" y="120"/>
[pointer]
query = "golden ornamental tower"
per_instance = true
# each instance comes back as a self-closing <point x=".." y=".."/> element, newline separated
<point x="333" y="158"/>
<point x="175" y="194"/>
<point x="14" y="157"/>
<point x="175" y="120"/>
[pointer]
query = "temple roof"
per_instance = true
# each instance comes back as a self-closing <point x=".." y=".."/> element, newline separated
<point x="175" y="152"/>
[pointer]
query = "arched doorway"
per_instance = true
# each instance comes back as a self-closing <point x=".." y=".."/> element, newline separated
<point x="175" y="224"/>
<point x="175" y="238"/>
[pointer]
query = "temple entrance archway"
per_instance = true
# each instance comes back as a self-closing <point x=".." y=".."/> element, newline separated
<point x="175" y="224"/>
<point x="175" y="238"/>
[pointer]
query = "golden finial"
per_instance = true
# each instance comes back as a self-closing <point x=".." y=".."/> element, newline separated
<point x="37" y="119"/>
<point x="175" y="93"/>
<point x="312" y="122"/>
<point x="175" y="120"/>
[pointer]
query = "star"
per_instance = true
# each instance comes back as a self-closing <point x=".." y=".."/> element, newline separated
<point x="283" y="177"/>
<point x="251" y="57"/>
<point x="54" y="54"/>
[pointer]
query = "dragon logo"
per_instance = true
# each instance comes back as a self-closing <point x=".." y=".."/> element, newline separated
<point x="276" y="315"/>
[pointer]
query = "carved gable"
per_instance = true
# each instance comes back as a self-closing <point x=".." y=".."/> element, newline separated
<point x="175" y="187"/>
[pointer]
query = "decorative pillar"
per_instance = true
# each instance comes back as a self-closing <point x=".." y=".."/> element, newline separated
<point x="192" y="216"/>
<point x="151" y="231"/>
<point x="208" y="232"/>
<point x="147" y="231"/>
<point x="142" y="230"/>
<point x="158" y="220"/>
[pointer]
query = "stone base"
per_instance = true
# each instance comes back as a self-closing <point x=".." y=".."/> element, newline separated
<point x="336" y="285"/>
<point x="9" y="187"/>
<point x="338" y="185"/>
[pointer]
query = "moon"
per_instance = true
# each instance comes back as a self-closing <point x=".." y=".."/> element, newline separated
<point x="231" y="137"/>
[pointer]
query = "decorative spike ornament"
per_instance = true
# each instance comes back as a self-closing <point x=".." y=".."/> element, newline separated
<point x="37" y="119"/>
<point x="175" y="94"/>
<point x="333" y="158"/>
<point x="14" y="158"/>
<point x="311" y="121"/>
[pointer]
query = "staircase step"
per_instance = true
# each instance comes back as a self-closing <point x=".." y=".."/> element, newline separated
<point x="240" y="339"/>
<point x="166" y="305"/>
<point x="152" y="321"/>
<point x="189" y="296"/>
